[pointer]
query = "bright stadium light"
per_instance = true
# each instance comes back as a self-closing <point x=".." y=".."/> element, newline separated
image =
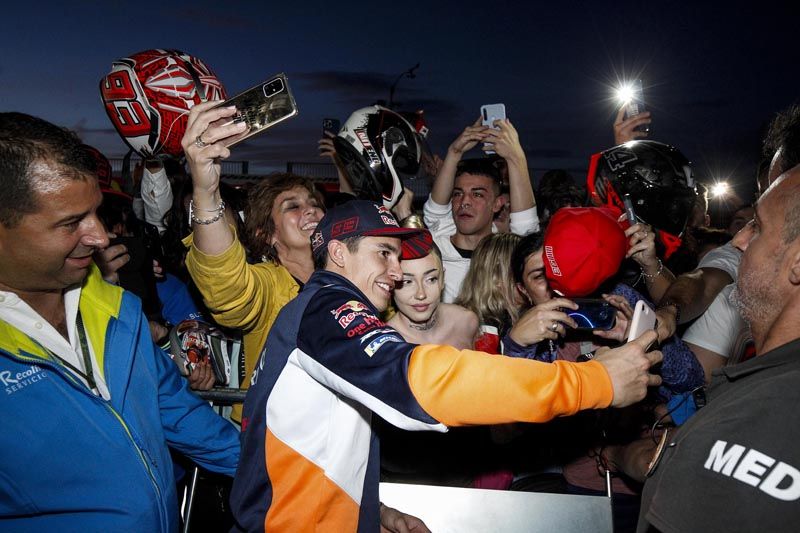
<point x="719" y="189"/>
<point x="625" y="93"/>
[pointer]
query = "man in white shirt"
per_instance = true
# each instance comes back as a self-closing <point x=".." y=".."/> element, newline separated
<point x="466" y="195"/>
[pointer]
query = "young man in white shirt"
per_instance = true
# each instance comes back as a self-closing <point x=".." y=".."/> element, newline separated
<point x="466" y="195"/>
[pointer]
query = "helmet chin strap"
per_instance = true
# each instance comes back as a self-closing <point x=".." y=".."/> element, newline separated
<point x="397" y="187"/>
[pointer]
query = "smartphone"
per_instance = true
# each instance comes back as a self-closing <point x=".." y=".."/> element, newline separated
<point x="330" y="125"/>
<point x="644" y="318"/>
<point x="636" y="105"/>
<point x="593" y="313"/>
<point x="490" y="113"/>
<point x="261" y="107"/>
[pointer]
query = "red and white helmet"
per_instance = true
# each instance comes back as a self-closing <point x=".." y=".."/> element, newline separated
<point x="148" y="97"/>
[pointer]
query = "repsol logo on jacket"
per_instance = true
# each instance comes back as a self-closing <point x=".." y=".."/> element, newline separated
<point x="776" y="478"/>
<point x="15" y="381"/>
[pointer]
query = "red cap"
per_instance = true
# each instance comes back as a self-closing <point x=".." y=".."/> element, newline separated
<point x="417" y="246"/>
<point x="583" y="247"/>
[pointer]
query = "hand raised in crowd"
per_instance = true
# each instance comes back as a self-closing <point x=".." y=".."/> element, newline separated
<point x="624" y="128"/>
<point x="544" y="321"/>
<point x="504" y="141"/>
<point x="469" y="138"/>
<point x="628" y="366"/>
<point x="623" y="320"/>
<point x="394" y="521"/>
<point x="642" y="245"/>
<point x="205" y="128"/>
<point x="202" y="376"/>
<point x="326" y="148"/>
<point x="110" y="259"/>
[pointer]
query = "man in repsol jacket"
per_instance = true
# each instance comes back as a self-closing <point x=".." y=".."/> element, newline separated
<point x="310" y="460"/>
<point x="88" y="404"/>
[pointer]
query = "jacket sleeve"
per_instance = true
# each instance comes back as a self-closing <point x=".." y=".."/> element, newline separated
<point x="344" y="345"/>
<point x="190" y="425"/>
<point x="237" y="294"/>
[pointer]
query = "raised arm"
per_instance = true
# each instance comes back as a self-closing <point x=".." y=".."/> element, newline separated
<point x="688" y="297"/>
<point x="505" y="142"/>
<point x="156" y="193"/>
<point x="212" y="234"/>
<point x="445" y="180"/>
<point x="326" y="149"/>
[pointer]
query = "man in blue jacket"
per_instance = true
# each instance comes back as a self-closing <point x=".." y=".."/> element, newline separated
<point x="88" y="404"/>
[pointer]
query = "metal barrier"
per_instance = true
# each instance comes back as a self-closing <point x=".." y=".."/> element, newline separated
<point x="220" y="397"/>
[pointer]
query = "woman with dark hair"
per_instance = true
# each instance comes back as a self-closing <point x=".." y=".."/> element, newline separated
<point x="281" y="213"/>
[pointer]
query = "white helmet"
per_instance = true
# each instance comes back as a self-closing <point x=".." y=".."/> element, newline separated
<point x="378" y="147"/>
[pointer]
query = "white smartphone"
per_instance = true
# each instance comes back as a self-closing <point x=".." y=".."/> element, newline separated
<point x="490" y="113"/>
<point x="644" y="319"/>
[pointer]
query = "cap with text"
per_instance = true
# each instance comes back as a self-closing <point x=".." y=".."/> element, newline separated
<point x="357" y="218"/>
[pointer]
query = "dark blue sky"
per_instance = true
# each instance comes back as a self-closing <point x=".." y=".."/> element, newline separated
<point x="714" y="73"/>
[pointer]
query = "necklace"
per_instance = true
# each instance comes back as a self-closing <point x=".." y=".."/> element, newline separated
<point x="425" y="326"/>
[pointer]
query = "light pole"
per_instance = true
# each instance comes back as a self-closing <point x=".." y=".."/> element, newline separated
<point x="407" y="74"/>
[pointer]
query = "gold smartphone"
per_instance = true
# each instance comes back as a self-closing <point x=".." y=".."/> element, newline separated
<point x="261" y="107"/>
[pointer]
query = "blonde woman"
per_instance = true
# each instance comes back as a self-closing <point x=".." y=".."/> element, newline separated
<point x="421" y="317"/>
<point x="489" y="291"/>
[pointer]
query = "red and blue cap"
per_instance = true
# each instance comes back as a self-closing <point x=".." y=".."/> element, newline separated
<point x="358" y="218"/>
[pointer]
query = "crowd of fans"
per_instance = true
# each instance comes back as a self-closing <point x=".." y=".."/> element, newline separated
<point x="488" y="264"/>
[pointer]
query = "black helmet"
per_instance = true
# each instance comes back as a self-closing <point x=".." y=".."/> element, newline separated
<point x="658" y="179"/>
<point x="378" y="147"/>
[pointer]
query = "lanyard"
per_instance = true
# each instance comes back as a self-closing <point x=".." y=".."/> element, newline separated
<point x="87" y="362"/>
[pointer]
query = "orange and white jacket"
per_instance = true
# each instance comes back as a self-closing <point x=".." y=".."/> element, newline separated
<point x="310" y="460"/>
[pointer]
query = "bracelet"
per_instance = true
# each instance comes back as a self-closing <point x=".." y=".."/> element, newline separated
<point x="220" y="211"/>
<point x="652" y="277"/>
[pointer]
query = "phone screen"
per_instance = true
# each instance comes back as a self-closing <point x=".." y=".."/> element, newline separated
<point x="593" y="314"/>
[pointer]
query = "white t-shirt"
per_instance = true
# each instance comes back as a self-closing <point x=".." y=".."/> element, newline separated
<point x="725" y="257"/>
<point x="439" y="220"/>
<point x="721" y="329"/>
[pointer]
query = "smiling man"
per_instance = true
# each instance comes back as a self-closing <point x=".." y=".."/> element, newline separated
<point x="466" y="197"/>
<point x="89" y="405"/>
<point x="310" y="457"/>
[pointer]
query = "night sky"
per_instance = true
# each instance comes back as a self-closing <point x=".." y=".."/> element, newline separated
<point x="714" y="73"/>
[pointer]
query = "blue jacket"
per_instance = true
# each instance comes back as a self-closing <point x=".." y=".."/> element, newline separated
<point x="71" y="461"/>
